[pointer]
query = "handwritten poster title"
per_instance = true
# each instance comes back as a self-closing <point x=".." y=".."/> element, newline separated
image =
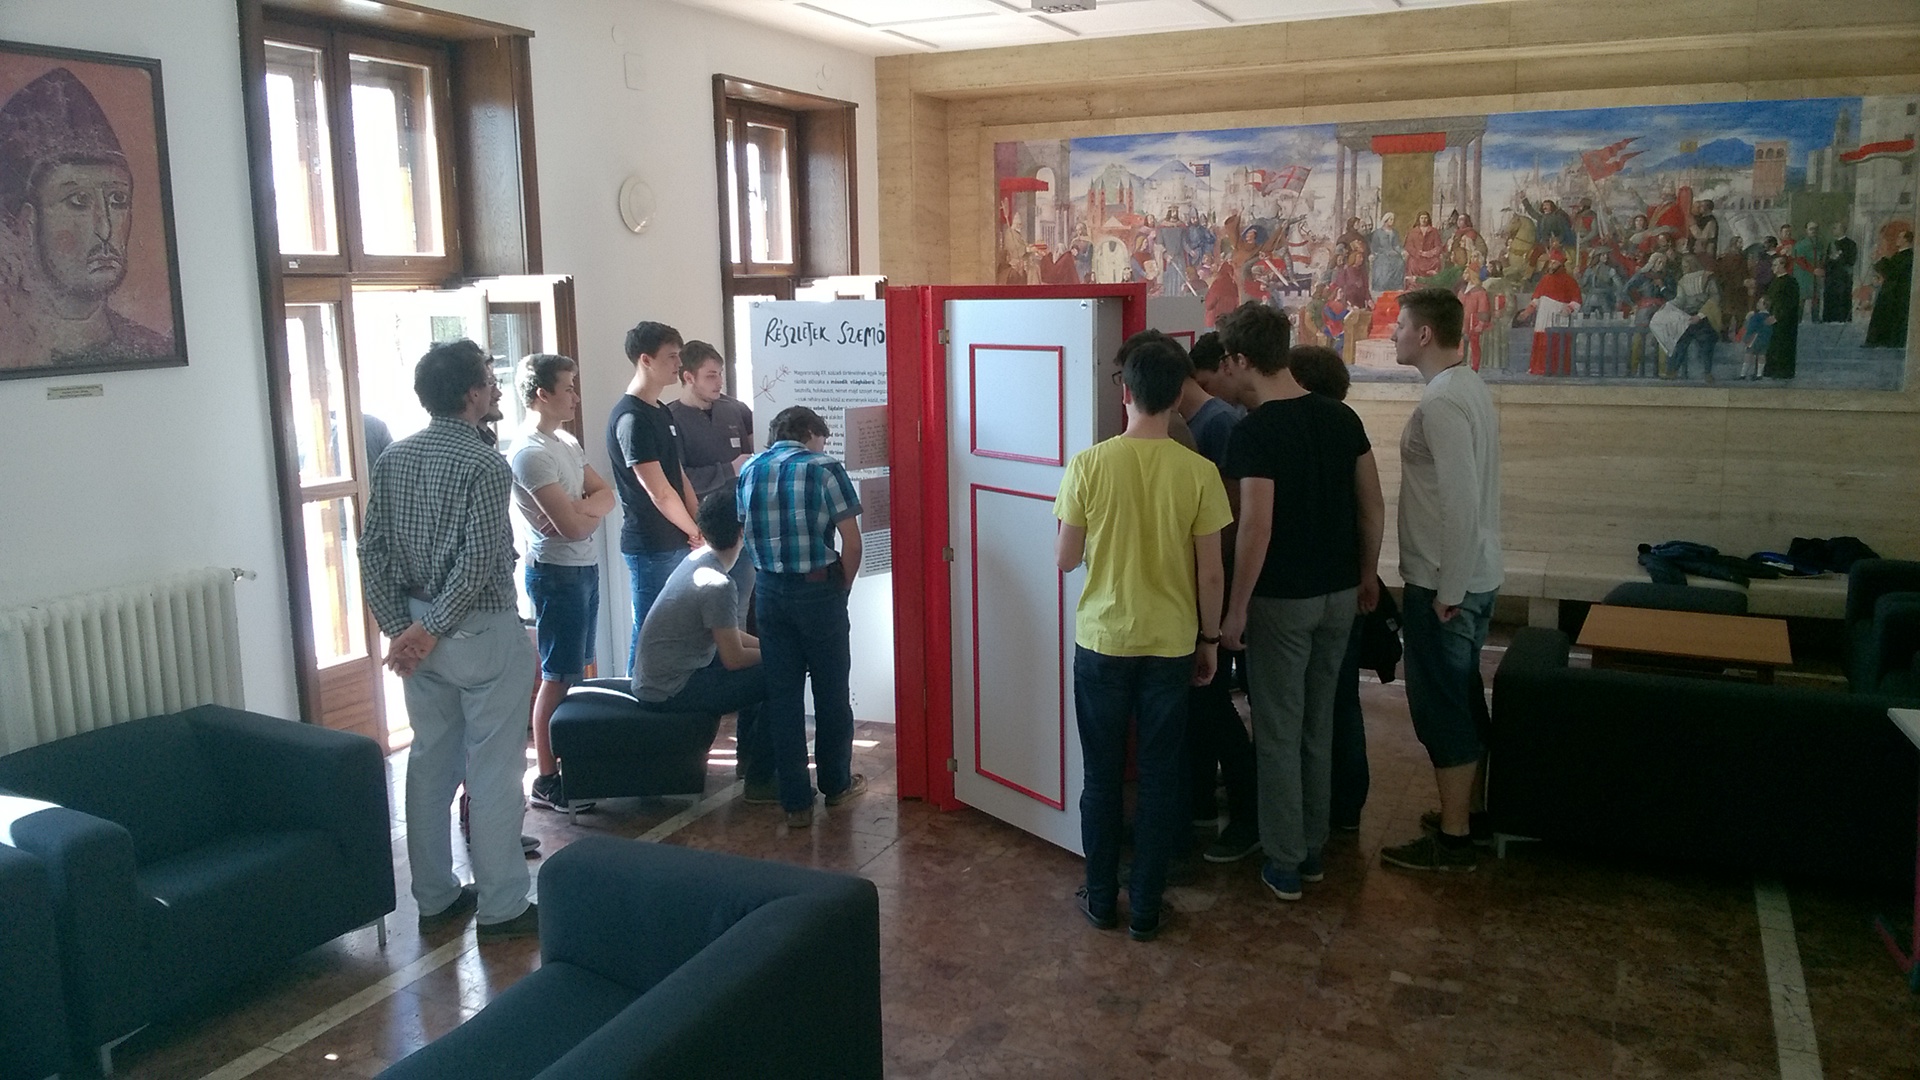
<point x="784" y="333"/>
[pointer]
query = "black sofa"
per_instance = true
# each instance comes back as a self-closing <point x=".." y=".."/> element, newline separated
<point x="660" y="961"/>
<point x="1773" y="779"/>
<point x="33" y="1023"/>
<point x="190" y="852"/>
<point x="1883" y="627"/>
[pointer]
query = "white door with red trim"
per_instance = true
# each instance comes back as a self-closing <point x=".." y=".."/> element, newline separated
<point x="1026" y="380"/>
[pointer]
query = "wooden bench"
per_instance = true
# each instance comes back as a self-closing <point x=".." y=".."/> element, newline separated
<point x="1546" y="578"/>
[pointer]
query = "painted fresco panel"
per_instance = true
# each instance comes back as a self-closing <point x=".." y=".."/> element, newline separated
<point x="1754" y="244"/>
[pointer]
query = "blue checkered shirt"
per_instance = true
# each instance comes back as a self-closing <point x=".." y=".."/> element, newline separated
<point x="437" y="527"/>
<point x="790" y="499"/>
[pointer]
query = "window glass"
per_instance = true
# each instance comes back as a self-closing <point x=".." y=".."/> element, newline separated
<point x="396" y="162"/>
<point x="319" y="392"/>
<point x="769" y="195"/>
<point x="333" y="576"/>
<point x="302" y="150"/>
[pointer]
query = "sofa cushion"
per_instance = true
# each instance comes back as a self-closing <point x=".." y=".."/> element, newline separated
<point x="524" y="1030"/>
<point x="147" y="776"/>
<point x="234" y="905"/>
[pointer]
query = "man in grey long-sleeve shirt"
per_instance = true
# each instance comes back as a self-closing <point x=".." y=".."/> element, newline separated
<point x="1451" y="563"/>
<point x="436" y="564"/>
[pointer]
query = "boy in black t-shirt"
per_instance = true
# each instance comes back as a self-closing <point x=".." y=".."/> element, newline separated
<point x="658" y="529"/>
<point x="1311" y="515"/>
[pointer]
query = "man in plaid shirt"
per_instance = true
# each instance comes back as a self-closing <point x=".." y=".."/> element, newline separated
<point x="436" y="565"/>
<point x="793" y="498"/>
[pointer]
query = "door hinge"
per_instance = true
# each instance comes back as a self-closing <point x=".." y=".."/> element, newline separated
<point x="953" y="765"/>
<point x="946" y="553"/>
<point x="946" y="338"/>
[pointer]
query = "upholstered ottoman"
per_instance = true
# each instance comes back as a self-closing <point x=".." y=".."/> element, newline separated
<point x="611" y="744"/>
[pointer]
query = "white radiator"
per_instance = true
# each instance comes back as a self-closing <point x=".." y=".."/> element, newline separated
<point x="84" y="662"/>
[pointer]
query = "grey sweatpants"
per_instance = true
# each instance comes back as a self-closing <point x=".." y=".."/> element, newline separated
<point x="1294" y="649"/>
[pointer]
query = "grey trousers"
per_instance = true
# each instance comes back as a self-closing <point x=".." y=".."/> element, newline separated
<point x="1294" y="649"/>
<point x="469" y="703"/>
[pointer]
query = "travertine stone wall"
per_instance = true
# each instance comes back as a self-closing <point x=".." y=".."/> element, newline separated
<point x="1589" y="470"/>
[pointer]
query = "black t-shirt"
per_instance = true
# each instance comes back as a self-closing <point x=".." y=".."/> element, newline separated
<point x="1307" y="446"/>
<point x="636" y="433"/>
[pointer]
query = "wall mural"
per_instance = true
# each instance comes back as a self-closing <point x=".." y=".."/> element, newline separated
<point x="1764" y="243"/>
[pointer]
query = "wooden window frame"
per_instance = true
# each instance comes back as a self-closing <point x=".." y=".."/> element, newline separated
<point x="825" y="208"/>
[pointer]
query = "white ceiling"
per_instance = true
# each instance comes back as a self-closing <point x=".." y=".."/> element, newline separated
<point x="885" y="27"/>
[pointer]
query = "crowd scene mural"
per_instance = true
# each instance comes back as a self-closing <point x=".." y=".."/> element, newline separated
<point x="1760" y="243"/>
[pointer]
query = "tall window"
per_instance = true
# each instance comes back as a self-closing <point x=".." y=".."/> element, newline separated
<point x="359" y="133"/>
<point x="786" y="194"/>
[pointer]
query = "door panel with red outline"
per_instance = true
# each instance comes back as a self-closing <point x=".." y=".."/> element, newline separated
<point x="1025" y="383"/>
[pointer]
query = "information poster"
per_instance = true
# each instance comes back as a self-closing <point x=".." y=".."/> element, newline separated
<point x="832" y="358"/>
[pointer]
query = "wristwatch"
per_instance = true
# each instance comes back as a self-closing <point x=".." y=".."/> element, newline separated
<point x="1210" y="639"/>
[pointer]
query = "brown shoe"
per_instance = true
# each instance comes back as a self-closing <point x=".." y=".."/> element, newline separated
<point x="525" y="924"/>
<point x="463" y="905"/>
<point x="855" y="789"/>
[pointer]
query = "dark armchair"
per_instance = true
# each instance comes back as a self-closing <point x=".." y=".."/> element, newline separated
<point x="1883" y="627"/>
<point x="660" y="961"/>
<point x="190" y="852"/>
<point x="33" y="1040"/>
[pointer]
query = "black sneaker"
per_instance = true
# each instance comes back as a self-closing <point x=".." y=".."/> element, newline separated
<point x="767" y="794"/>
<point x="1147" y="929"/>
<point x="1430" y="853"/>
<point x="1106" y="920"/>
<point x="1477" y="828"/>
<point x="463" y="905"/>
<point x="1236" y="842"/>
<point x="525" y="924"/>
<point x="550" y="793"/>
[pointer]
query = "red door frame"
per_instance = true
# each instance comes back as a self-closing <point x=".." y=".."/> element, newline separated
<point x="922" y="584"/>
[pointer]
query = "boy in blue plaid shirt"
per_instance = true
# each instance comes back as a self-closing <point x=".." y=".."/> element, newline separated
<point x="793" y="499"/>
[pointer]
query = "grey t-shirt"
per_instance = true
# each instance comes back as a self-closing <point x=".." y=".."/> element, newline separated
<point x="540" y="459"/>
<point x="677" y="638"/>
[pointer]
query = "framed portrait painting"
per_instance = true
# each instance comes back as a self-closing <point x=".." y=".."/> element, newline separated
<point x="89" y="271"/>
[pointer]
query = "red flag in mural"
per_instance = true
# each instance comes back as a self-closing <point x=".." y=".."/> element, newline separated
<point x="1291" y="178"/>
<point x="1608" y="160"/>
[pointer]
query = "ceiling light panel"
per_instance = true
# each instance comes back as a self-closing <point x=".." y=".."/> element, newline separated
<point x="895" y="13"/>
<point x="1291" y="10"/>
<point x="987" y="33"/>
<point x="1142" y="17"/>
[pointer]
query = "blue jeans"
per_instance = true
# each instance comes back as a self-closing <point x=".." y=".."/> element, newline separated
<point x="648" y="572"/>
<point x="1444" y="691"/>
<point x="566" y="605"/>
<point x="1350" y="776"/>
<point x="715" y="689"/>
<point x="1107" y="691"/>
<point x="804" y="631"/>
<point x="1218" y="745"/>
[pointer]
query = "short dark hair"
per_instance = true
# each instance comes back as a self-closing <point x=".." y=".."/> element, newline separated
<point x="1438" y="309"/>
<point x="648" y="338"/>
<point x="446" y="372"/>
<point x="718" y="519"/>
<point x="1320" y="370"/>
<point x="696" y="352"/>
<point x="1154" y="370"/>
<point x="796" y="423"/>
<point x="1150" y="337"/>
<point x="541" y="371"/>
<point x="1207" y="352"/>
<point x="1259" y="333"/>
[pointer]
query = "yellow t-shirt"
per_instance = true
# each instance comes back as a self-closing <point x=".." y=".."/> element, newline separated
<point x="1142" y="501"/>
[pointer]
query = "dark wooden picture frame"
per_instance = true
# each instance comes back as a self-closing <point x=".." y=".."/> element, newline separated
<point x="89" y="266"/>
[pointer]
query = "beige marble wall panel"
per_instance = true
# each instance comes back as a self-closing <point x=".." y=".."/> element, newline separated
<point x="1559" y="23"/>
<point x="1828" y="15"/>
<point x="1720" y="65"/>
<point x="1825" y="474"/>
<point x="1475" y="27"/>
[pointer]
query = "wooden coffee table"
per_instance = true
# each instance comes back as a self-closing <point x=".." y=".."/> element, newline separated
<point x="1686" y="642"/>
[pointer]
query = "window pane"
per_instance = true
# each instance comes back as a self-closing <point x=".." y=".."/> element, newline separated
<point x="513" y="333"/>
<point x="769" y="195"/>
<point x="396" y="159"/>
<point x="333" y="576"/>
<point x="302" y="150"/>
<point x="392" y="329"/>
<point x="319" y="392"/>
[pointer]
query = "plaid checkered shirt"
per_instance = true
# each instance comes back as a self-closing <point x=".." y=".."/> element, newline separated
<point x="437" y="527"/>
<point x="790" y="499"/>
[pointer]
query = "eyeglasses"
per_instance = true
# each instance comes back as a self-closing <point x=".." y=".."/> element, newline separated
<point x="1115" y="376"/>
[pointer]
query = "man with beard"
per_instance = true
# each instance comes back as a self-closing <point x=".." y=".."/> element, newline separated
<point x="66" y="208"/>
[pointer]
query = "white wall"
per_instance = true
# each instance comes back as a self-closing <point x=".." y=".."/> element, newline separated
<point x="173" y="468"/>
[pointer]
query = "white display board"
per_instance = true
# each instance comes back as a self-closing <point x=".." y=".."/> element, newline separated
<point x="832" y="358"/>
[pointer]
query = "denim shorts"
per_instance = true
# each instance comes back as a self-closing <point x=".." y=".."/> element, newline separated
<point x="566" y="605"/>
<point x="1444" y="691"/>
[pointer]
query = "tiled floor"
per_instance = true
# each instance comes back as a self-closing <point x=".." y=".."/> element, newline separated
<point x="1546" y="964"/>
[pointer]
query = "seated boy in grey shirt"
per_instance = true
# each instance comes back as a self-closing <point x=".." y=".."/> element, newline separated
<point x="694" y="656"/>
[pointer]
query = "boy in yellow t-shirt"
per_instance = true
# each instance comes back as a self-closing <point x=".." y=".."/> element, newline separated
<point x="1144" y="513"/>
